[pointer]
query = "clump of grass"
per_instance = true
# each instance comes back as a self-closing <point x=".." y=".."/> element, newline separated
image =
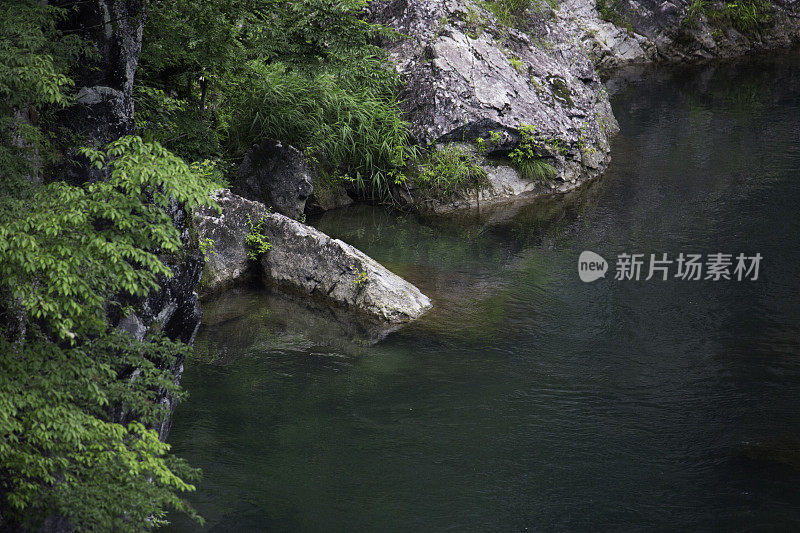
<point x="610" y="12"/>
<point x="695" y="10"/>
<point x="516" y="64"/>
<point x="451" y="170"/>
<point x="527" y="156"/>
<point x="747" y="16"/>
<point x="513" y="12"/>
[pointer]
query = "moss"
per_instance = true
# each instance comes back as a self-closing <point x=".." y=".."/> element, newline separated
<point x="561" y="92"/>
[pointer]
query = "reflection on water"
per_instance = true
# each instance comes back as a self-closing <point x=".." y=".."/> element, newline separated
<point x="525" y="398"/>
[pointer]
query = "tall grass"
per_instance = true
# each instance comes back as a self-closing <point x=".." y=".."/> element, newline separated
<point x="528" y="156"/>
<point x="347" y="128"/>
<point x="515" y="12"/>
<point x="747" y="16"/>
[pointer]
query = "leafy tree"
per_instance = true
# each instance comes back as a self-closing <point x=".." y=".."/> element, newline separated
<point x="67" y="254"/>
<point x="34" y="58"/>
<point x="77" y="396"/>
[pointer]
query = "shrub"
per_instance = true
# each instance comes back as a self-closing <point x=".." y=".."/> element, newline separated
<point x="256" y="242"/>
<point x="527" y="156"/>
<point x="450" y="170"/>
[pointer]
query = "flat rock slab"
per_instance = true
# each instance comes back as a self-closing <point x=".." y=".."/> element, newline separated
<point x="302" y="261"/>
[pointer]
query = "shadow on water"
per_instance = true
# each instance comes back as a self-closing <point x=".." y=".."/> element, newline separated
<point x="526" y="398"/>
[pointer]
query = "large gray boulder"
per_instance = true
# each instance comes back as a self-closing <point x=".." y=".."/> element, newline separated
<point x="306" y="261"/>
<point x="302" y="261"/>
<point x="610" y="46"/>
<point x="466" y="75"/>
<point x="276" y="175"/>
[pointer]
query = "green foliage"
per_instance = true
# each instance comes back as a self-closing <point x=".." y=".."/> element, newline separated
<point x="694" y="12"/>
<point x="178" y="125"/>
<point x="450" y="170"/>
<point x="343" y="125"/>
<point x="33" y="55"/>
<point x="747" y="16"/>
<point x="528" y="155"/>
<point x="516" y="12"/>
<point x="475" y="20"/>
<point x="609" y="11"/>
<point x="221" y="75"/>
<point x="361" y="278"/>
<point x="68" y="256"/>
<point x="34" y="58"/>
<point x="207" y="248"/>
<point x="68" y="251"/>
<point x="255" y="241"/>
<point x="517" y="64"/>
<point x="59" y="450"/>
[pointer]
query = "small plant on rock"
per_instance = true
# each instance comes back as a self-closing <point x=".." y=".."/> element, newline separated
<point x="207" y="248"/>
<point x="516" y="64"/>
<point x="361" y="277"/>
<point x="256" y="242"/>
<point x="527" y="159"/>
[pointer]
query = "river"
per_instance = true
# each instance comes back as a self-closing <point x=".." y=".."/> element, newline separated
<point x="528" y="399"/>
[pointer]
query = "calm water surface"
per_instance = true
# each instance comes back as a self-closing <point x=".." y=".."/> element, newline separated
<point x="527" y="399"/>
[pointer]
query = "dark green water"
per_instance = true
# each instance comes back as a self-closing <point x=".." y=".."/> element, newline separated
<point x="527" y="399"/>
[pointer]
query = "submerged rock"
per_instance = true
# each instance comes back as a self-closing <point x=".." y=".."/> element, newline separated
<point x="276" y="175"/>
<point x="303" y="261"/>
<point x="781" y="451"/>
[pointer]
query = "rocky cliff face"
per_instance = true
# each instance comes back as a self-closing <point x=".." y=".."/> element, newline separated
<point x="644" y="31"/>
<point x="104" y="100"/>
<point x="470" y="76"/>
<point x="174" y="308"/>
<point x="104" y="112"/>
<point x="467" y="74"/>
